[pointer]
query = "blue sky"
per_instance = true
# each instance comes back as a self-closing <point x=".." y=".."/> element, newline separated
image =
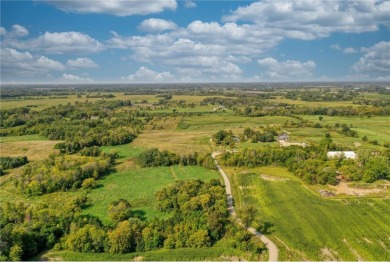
<point x="194" y="41"/>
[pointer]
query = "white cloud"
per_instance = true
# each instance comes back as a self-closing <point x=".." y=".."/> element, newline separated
<point x="312" y="19"/>
<point x="145" y="75"/>
<point x="350" y="50"/>
<point x="375" y="62"/>
<point x="75" y="78"/>
<point x="60" y="43"/>
<point x="347" y="50"/>
<point x="115" y="7"/>
<point x="81" y="62"/>
<point x="156" y="25"/>
<point x="24" y="64"/>
<point x="287" y="70"/>
<point x="189" y="4"/>
<point x="15" y="32"/>
<point x="335" y="47"/>
<point x="19" y="31"/>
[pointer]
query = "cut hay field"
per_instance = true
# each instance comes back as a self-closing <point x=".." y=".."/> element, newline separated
<point x="34" y="150"/>
<point x="309" y="227"/>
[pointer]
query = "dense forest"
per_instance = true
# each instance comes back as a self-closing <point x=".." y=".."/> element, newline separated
<point x="198" y="218"/>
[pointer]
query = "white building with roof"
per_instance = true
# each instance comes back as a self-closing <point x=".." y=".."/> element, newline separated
<point x="346" y="154"/>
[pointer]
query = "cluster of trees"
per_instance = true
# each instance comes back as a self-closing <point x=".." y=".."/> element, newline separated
<point x="61" y="173"/>
<point x="79" y="126"/>
<point x="27" y="229"/>
<point x="223" y="137"/>
<point x="199" y="219"/>
<point x="8" y="162"/>
<point x="256" y="136"/>
<point x="346" y="130"/>
<point x="154" y="157"/>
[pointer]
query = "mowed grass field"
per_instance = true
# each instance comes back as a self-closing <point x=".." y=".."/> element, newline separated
<point x="138" y="186"/>
<point x="375" y="128"/>
<point x="309" y="227"/>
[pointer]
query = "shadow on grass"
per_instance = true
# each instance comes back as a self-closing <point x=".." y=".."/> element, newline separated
<point x="265" y="228"/>
<point x="138" y="213"/>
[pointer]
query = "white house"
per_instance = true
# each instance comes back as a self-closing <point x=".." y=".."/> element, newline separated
<point x="347" y="154"/>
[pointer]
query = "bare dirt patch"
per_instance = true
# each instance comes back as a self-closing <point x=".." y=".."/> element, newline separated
<point x="286" y="144"/>
<point x="344" y="188"/>
<point x="328" y="254"/>
<point x="273" y="178"/>
<point x="34" y="150"/>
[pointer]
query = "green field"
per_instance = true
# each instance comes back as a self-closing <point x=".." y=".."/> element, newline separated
<point x="138" y="186"/>
<point x="375" y="128"/>
<point x="308" y="227"/>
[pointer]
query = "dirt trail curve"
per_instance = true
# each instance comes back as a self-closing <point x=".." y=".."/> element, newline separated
<point x="273" y="250"/>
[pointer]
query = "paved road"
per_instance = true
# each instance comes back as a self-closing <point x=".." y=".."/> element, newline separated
<point x="272" y="249"/>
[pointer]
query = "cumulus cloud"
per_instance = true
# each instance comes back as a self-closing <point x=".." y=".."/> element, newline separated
<point x="75" y="78"/>
<point x="375" y="62"/>
<point x="145" y="75"/>
<point x="60" y="43"/>
<point x="115" y="7"/>
<point x="312" y="19"/>
<point x="156" y="25"/>
<point x="207" y="48"/>
<point x="15" y="32"/>
<point x="24" y="64"/>
<point x="81" y="62"/>
<point x="347" y="50"/>
<point x="287" y="70"/>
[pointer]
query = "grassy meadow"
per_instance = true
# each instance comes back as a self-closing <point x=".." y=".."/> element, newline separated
<point x="138" y="186"/>
<point x="309" y="227"/>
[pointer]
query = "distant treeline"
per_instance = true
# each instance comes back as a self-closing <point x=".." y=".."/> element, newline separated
<point x="81" y="125"/>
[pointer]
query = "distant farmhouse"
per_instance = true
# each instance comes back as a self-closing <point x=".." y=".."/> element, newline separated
<point x="346" y="154"/>
<point x="283" y="137"/>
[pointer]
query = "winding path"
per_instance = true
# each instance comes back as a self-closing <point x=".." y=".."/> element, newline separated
<point x="272" y="249"/>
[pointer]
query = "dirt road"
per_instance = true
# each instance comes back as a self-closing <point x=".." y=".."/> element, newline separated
<point x="272" y="249"/>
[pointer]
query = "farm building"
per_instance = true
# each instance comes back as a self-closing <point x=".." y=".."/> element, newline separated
<point x="347" y="154"/>
<point x="283" y="137"/>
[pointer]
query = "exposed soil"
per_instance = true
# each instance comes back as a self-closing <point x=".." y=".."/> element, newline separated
<point x="344" y="188"/>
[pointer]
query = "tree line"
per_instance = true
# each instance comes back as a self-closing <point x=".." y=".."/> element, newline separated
<point x="154" y="157"/>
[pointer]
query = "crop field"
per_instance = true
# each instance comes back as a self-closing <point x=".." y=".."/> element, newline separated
<point x="309" y="227"/>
